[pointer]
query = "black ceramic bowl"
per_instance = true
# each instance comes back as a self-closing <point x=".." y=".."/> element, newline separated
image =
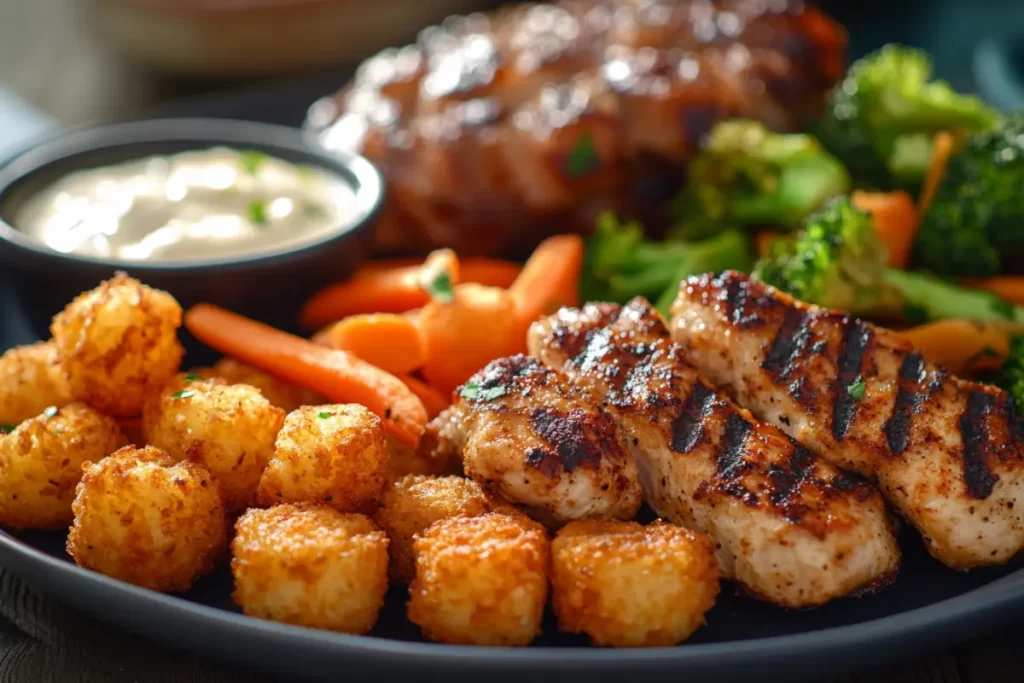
<point x="267" y="286"/>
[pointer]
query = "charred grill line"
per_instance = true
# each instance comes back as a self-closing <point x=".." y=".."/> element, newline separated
<point x="908" y="402"/>
<point x="730" y="457"/>
<point x="788" y="346"/>
<point x="688" y="427"/>
<point x="977" y="476"/>
<point x="856" y="338"/>
<point x="567" y="434"/>
<point x="737" y="301"/>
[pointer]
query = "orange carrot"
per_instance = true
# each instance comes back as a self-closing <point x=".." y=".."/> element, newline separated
<point x="379" y="288"/>
<point x="1008" y="287"/>
<point x="763" y="240"/>
<point x="433" y="400"/>
<point x="439" y="273"/>
<point x="943" y="145"/>
<point x="338" y="375"/>
<point x="961" y="345"/>
<point x="388" y="340"/>
<point x="461" y="337"/>
<point x="895" y="221"/>
<point x="550" y="278"/>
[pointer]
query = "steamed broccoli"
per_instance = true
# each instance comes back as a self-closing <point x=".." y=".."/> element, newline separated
<point x="621" y="263"/>
<point x="748" y="175"/>
<point x="975" y="224"/>
<point x="882" y="116"/>
<point x="838" y="262"/>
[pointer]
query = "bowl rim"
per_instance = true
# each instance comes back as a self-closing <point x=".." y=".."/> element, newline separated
<point x="52" y="150"/>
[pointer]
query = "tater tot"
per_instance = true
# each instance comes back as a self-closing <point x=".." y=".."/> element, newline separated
<point x="228" y="428"/>
<point x="627" y="585"/>
<point x="310" y="565"/>
<point x="414" y="502"/>
<point x="143" y="518"/>
<point x="332" y="454"/>
<point x="41" y="463"/>
<point x="118" y="343"/>
<point x="280" y="393"/>
<point x="31" y="379"/>
<point x="481" y="580"/>
<point x="404" y="459"/>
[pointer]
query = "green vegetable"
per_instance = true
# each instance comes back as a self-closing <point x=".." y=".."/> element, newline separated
<point x="1011" y="375"/>
<point x="838" y="262"/>
<point x="440" y="288"/>
<point x="258" y="211"/>
<point x="7" y="429"/>
<point x="252" y="160"/>
<point x="582" y="157"/>
<point x="186" y="393"/>
<point x="474" y="392"/>
<point x="324" y="416"/>
<point x="856" y="390"/>
<point x="975" y="224"/>
<point x="748" y="175"/>
<point x="882" y="116"/>
<point x="620" y="263"/>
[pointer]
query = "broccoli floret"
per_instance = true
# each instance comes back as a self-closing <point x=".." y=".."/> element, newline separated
<point x="975" y="224"/>
<point x="881" y="118"/>
<point x="748" y="175"/>
<point x="621" y="263"/>
<point x="1011" y="375"/>
<point x="838" y="262"/>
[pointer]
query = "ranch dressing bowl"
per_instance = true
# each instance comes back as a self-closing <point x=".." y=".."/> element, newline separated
<point x="249" y="216"/>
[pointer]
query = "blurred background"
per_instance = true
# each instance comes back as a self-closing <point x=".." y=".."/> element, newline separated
<point x="95" y="60"/>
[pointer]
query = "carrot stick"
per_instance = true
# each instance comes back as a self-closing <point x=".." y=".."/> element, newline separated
<point x="550" y="278"/>
<point x="433" y="400"/>
<point x="943" y="145"/>
<point x="379" y="288"/>
<point x="338" y="375"/>
<point x="895" y="221"/>
<point x="960" y="345"/>
<point x="763" y="240"/>
<point x="1008" y="287"/>
<point x="390" y="341"/>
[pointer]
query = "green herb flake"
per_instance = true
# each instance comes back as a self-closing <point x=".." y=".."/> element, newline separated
<point x="324" y="416"/>
<point x="7" y="429"/>
<point x="51" y="411"/>
<point x="440" y="288"/>
<point x="192" y="377"/>
<point x="474" y="392"/>
<point x="184" y="393"/>
<point x="252" y="160"/>
<point x="314" y="211"/>
<point x="258" y="212"/>
<point x="582" y="157"/>
<point x="856" y="390"/>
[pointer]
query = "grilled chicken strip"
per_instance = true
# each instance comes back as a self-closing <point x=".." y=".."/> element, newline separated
<point x="788" y="527"/>
<point x="527" y="435"/>
<point x="538" y="115"/>
<point x="945" y="452"/>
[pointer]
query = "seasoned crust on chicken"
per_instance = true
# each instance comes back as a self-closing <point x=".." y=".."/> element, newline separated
<point x="946" y="453"/>
<point x="788" y="527"/>
<point x="529" y="436"/>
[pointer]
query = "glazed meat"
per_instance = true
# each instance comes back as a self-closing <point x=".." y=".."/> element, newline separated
<point x="788" y="527"/>
<point x="541" y="114"/>
<point x="532" y="438"/>
<point x="945" y="452"/>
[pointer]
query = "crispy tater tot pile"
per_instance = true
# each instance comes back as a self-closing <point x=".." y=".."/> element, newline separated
<point x="228" y="428"/>
<point x="145" y="519"/>
<point x="404" y="459"/>
<point x="31" y="380"/>
<point x="280" y="393"/>
<point x="627" y="585"/>
<point x="118" y="343"/>
<point x="414" y="502"/>
<point x="310" y="565"/>
<point x="41" y="463"/>
<point x="481" y="580"/>
<point x="332" y="454"/>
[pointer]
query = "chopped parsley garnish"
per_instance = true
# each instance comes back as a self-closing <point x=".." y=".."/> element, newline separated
<point x="192" y="377"/>
<point x="582" y="157"/>
<point x="7" y="429"/>
<point x="258" y="212"/>
<point x="50" y="411"/>
<point x="324" y="416"/>
<point x="475" y="392"/>
<point x="440" y="288"/>
<point x="184" y="393"/>
<point x="856" y="390"/>
<point x="314" y="211"/>
<point x="252" y="160"/>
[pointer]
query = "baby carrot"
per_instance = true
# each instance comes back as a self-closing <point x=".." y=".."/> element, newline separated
<point x="390" y="341"/>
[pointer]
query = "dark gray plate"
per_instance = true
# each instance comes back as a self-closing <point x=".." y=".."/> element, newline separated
<point x="928" y="607"/>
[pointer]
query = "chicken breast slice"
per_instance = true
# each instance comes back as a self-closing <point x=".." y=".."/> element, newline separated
<point x="945" y="452"/>
<point x="788" y="527"/>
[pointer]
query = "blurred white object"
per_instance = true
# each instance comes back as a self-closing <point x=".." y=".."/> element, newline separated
<point x="20" y="123"/>
<point x="237" y="38"/>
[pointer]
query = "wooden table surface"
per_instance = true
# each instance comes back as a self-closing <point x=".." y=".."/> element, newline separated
<point x="50" y="59"/>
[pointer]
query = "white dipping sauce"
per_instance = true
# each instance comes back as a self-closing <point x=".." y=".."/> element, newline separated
<point x="185" y="207"/>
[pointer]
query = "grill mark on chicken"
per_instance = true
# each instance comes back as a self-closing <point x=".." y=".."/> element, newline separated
<point x="688" y="427"/>
<point x="787" y="481"/>
<point x="730" y="457"/>
<point x="977" y="475"/>
<point x="788" y="346"/>
<point x="908" y="402"/>
<point x="572" y="446"/>
<point x="856" y="339"/>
